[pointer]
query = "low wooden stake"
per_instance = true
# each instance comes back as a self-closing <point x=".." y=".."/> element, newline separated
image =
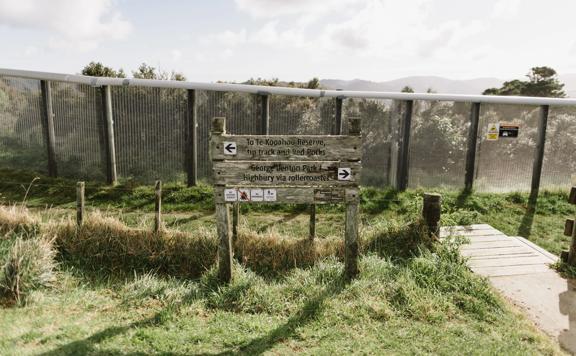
<point x="312" y="225"/>
<point x="568" y="227"/>
<point x="572" y="197"/>
<point x="79" y="203"/>
<point x="431" y="211"/>
<point x="158" y="206"/>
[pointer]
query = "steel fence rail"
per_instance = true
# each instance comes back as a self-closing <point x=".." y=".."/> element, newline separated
<point x="268" y="90"/>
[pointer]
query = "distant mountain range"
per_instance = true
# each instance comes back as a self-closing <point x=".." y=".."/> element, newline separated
<point x="421" y="84"/>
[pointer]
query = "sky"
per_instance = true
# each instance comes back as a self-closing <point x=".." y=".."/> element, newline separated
<point x="235" y="40"/>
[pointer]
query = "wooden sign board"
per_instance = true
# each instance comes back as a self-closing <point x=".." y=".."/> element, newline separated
<point x="285" y="148"/>
<point x="285" y="169"/>
<point x="287" y="173"/>
<point x="289" y="195"/>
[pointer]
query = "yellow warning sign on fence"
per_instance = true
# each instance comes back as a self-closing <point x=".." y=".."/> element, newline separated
<point x="493" y="132"/>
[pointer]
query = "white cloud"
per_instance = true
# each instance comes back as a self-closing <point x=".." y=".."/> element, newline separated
<point x="71" y="23"/>
<point x="276" y="8"/>
<point x="506" y="8"/>
<point x="176" y="55"/>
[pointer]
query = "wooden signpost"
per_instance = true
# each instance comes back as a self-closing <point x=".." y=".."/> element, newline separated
<point x="267" y="169"/>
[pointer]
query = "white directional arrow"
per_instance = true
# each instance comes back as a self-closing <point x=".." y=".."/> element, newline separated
<point x="344" y="173"/>
<point x="229" y="148"/>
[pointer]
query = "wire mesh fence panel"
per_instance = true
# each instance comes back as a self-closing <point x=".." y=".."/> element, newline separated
<point x="78" y="131"/>
<point x="438" y="139"/>
<point x="242" y="113"/>
<point x="22" y="144"/>
<point x="378" y="133"/>
<point x="149" y="130"/>
<point x="559" y="169"/>
<point x="291" y="115"/>
<point x="506" y="164"/>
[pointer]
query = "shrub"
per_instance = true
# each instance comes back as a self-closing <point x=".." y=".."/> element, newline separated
<point x="17" y="219"/>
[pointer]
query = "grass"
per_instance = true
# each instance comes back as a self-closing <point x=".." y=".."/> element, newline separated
<point x="124" y="290"/>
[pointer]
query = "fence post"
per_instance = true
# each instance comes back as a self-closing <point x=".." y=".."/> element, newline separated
<point x="538" y="156"/>
<point x="192" y="139"/>
<point x="572" y="251"/>
<point x="403" y="164"/>
<point x="431" y="210"/>
<point x="48" y="124"/>
<point x="265" y="119"/>
<point x="235" y="217"/>
<point x="108" y="120"/>
<point x="79" y="203"/>
<point x="351" y="243"/>
<point x="337" y="128"/>
<point x="158" y="206"/>
<point x="472" y="144"/>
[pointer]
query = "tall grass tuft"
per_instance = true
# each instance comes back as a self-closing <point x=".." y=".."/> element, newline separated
<point x="30" y="265"/>
<point x="17" y="219"/>
<point x="104" y="243"/>
<point x="271" y="253"/>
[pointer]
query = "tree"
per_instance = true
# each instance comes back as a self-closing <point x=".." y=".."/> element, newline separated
<point x="542" y="82"/>
<point x="97" y="69"/>
<point x="407" y="89"/>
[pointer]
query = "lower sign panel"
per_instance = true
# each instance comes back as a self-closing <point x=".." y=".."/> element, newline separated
<point x="294" y="195"/>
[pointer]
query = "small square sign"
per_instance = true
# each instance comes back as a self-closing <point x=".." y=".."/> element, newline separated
<point x="229" y="148"/>
<point x="344" y="174"/>
<point x="243" y="194"/>
<point x="493" y="132"/>
<point x="256" y="195"/>
<point x="269" y="194"/>
<point x="230" y="195"/>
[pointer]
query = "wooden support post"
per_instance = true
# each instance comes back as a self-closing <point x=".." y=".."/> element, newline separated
<point x="265" y="119"/>
<point x="472" y="143"/>
<point x="108" y="120"/>
<point x="192" y="139"/>
<point x="223" y="225"/>
<point x="538" y="156"/>
<point x="403" y="156"/>
<point x="351" y="241"/>
<point x="572" y="251"/>
<point x="235" y="218"/>
<point x="158" y="206"/>
<point x="431" y="211"/>
<point x="79" y="203"/>
<point x="48" y="125"/>
<point x="351" y="218"/>
<point x="225" y="245"/>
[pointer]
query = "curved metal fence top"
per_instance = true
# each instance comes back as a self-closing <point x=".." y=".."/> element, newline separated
<point x="268" y="90"/>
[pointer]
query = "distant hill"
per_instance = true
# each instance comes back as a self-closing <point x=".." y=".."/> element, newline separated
<point x="421" y="84"/>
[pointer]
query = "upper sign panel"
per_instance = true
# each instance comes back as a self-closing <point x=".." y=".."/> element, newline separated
<point x="286" y="148"/>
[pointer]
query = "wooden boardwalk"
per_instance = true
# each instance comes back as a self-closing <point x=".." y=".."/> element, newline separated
<point x="520" y="270"/>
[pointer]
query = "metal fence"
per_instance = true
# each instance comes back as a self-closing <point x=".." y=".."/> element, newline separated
<point x="107" y="129"/>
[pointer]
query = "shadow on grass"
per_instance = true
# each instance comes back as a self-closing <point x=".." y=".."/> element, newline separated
<point x="525" y="228"/>
<point x="310" y="311"/>
<point x="462" y="198"/>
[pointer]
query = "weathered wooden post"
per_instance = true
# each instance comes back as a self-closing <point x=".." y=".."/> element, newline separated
<point x="351" y="219"/>
<point x="571" y="260"/>
<point x="158" y="206"/>
<point x="48" y="126"/>
<point x="79" y="203"/>
<point x="431" y="211"/>
<point x="223" y="225"/>
<point x="312" y="223"/>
